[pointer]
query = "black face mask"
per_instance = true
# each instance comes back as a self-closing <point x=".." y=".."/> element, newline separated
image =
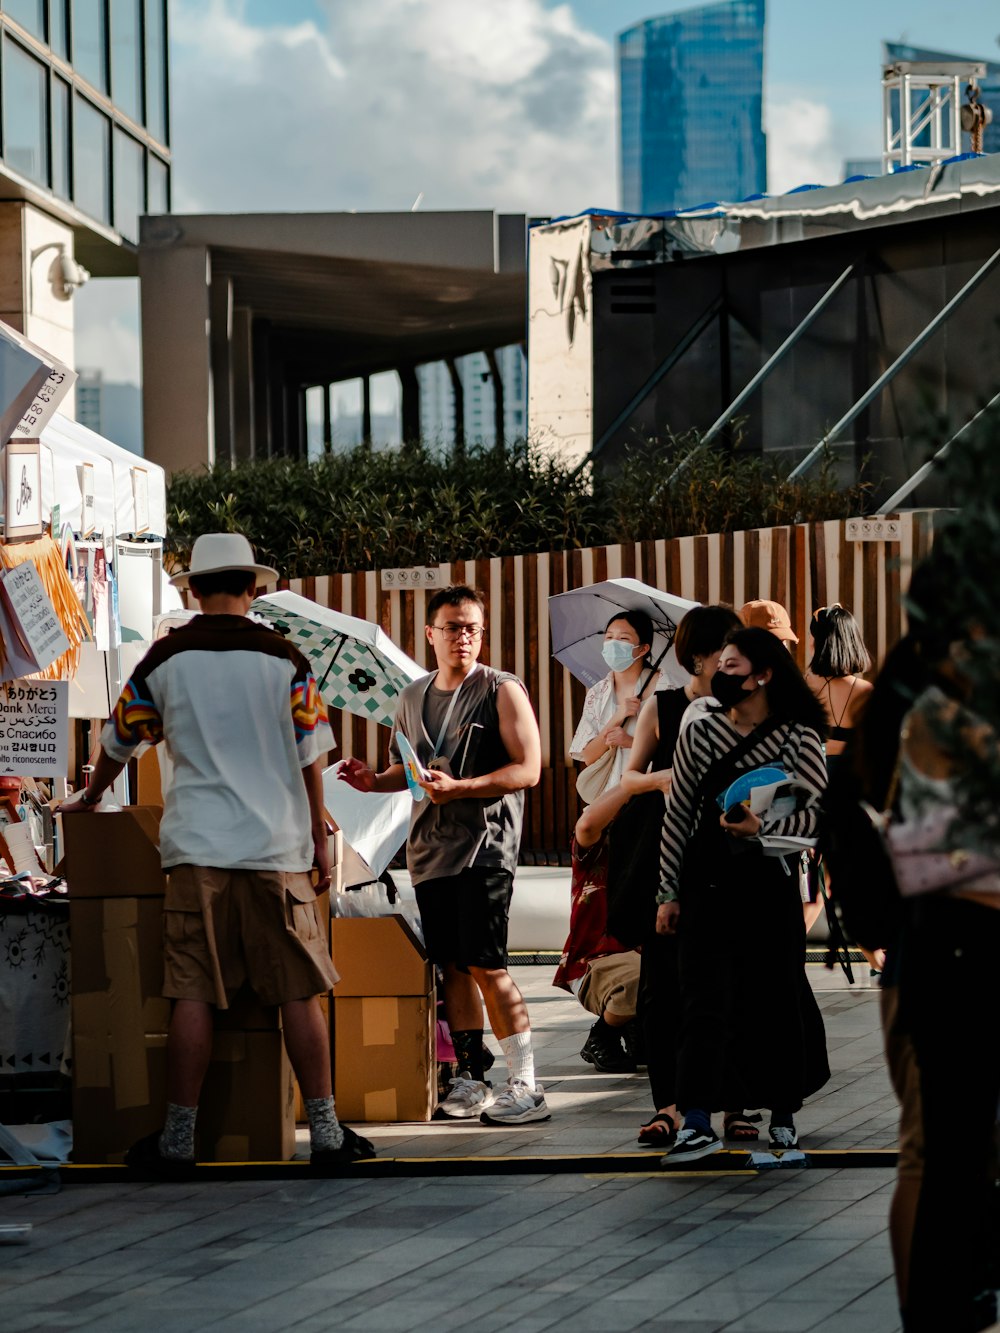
<point x="729" y="689"/>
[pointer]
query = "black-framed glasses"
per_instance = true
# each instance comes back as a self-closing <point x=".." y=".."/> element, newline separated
<point x="454" y="632"/>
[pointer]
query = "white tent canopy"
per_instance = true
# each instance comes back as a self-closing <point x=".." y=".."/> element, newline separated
<point x="66" y="446"/>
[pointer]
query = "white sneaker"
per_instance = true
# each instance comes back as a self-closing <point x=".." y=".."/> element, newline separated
<point x="467" y="1099"/>
<point x="783" y="1136"/>
<point x="517" y="1104"/>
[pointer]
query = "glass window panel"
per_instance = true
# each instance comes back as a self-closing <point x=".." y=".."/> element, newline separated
<point x="156" y="69"/>
<point x="61" y="156"/>
<point x="26" y="130"/>
<point x="90" y="42"/>
<point x="30" y="14"/>
<point x="126" y="56"/>
<point x="91" y="160"/>
<point x="130" y="185"/>
<point x="158" y="194"/>
<point x="59" y="28"/>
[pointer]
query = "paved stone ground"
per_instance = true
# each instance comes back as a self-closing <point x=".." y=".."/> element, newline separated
<point x="776" y="1253"/>
<point x="600" y="1113"/>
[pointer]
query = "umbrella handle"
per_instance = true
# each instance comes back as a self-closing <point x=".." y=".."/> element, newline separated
<point x="653" y="669"/>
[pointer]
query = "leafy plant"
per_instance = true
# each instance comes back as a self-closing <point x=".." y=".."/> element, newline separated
<point x="422" y="505"/>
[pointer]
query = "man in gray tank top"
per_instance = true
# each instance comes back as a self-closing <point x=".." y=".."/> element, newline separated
<point x="474" y="733"/>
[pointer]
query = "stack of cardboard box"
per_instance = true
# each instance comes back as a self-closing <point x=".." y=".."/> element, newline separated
<point x="120" y="1019"/>
<point x="384" y="1021"/>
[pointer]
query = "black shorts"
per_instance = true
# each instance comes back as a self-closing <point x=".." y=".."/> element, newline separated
<point x="464" y="917"/>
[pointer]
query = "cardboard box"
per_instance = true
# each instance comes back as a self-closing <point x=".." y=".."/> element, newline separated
<point x="120" y="1018"/>
<point x="379" y="956"/>
<point x="384" y="1057"/>
<point x="384" y="1021"/>
<point x="246" y="1111"/>
<point x="114" y="853"/>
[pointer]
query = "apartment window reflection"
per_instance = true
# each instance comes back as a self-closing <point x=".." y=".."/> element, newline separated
<point x="129" y="185"/>
<point x="30" y="14"/>
<point x="26" y="136"/>
<point x="157" y="196"/>
<point x="92" y="160"/>
<point x="156" y="69"/>
<point x="90" y="42"/>
<point x="126" y="57"/>
<point x="61" y="182"/>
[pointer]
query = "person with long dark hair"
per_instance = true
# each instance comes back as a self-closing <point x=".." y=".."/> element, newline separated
<point x="737" y="911"/>
<point x="697" y="647"/>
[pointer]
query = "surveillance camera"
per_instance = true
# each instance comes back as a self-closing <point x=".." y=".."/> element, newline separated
<point x="73" y="275"/>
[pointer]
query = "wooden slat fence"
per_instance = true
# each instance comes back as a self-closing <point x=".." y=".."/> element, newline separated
<point x="803" y="566"/>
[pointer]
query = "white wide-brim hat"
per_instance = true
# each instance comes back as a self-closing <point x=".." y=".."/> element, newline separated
<point x="219" y="552"/>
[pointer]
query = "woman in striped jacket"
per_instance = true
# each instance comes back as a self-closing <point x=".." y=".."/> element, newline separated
<point x="751" y="1032"/>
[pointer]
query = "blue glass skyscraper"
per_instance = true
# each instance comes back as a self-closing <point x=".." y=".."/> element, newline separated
<point x="690" y="97"/>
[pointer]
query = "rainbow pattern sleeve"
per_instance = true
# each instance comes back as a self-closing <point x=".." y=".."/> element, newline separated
<point x="135" y="719"/>
<point x="310" y="719"/>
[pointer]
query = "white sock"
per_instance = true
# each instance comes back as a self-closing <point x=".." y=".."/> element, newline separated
<point x="519" y="1056"/>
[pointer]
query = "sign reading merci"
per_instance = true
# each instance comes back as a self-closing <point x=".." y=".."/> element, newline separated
<point x="415" y="578"/>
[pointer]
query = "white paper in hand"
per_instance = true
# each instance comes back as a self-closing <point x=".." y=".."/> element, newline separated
<point x="374" y="823"/>
<point x="412" y="767"/>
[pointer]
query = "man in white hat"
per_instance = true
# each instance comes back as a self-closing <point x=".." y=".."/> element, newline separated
<point x="243" y="825"/>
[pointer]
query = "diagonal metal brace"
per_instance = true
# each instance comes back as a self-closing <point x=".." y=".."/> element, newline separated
<point x="943" y="315"/>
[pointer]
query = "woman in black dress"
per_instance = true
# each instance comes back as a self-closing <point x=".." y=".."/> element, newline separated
<point x="634" y="859"/>
<point x="736" y="911"/>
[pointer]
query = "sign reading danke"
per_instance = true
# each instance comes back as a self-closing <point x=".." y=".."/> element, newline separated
<point x="34" y="728"/>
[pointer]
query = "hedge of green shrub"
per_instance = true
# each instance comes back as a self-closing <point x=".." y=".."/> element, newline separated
<point x="417" y="504"/>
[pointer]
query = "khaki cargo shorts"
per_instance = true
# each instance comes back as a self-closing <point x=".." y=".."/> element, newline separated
<point x="611" y="983"/>
<point x="224" y="927"/>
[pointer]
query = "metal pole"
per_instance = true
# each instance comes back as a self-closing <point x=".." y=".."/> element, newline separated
<point x="924" y="472"/>
<point x="764" y="371"/>
<point x="926" y="333"/>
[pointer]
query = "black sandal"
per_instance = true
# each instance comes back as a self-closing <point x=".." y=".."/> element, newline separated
<point x="660" y="1132"/>
<point x="739" y="1128"/>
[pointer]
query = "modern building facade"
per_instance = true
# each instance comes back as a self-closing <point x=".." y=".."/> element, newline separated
<point x="112" y="410"/>
<point x="691" y="102"/>
<point x="477" y="387"/>
<point x="989" y="86"/>
<point x="245" y="316"/>
<point x="84" y="151"/>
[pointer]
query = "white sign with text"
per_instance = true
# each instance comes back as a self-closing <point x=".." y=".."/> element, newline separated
<point x="34" y="728"/>
<point x="35" y="613"/>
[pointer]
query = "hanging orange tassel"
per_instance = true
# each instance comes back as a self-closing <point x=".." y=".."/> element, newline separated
<point x="48" y="560"/>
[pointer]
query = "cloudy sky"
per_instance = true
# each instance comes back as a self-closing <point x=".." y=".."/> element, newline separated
<point x="303" y="105"/>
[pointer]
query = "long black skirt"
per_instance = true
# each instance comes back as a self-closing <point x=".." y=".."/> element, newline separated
<point x="751" y="1031"/>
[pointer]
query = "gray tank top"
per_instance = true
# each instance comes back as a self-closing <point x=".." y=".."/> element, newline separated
<point x="446" y="839"/>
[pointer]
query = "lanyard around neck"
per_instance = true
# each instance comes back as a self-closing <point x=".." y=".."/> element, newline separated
<point x="451" y="707"/>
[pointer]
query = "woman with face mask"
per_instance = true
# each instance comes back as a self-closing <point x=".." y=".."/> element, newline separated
<point x="751" y="1032"/>
<point x="633" y="869"/>
<point x="612" y="705"/>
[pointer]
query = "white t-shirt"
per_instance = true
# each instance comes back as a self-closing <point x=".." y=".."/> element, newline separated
<point x="239" y="711"/>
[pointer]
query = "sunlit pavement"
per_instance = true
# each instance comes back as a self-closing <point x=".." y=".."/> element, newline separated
<point x="594" y="1249"/>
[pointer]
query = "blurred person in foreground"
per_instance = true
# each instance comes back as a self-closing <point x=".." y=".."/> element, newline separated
<point x="243" y="824"/>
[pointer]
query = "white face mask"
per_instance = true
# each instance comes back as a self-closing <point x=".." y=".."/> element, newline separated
<point x="619" y="654"/>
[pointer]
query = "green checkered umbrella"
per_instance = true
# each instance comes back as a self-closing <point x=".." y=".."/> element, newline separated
<point x="356" y="664"/>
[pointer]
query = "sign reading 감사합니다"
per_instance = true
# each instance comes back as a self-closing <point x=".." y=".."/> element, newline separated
<point x="414" y="578"/>
<point x="35" y="614"/>
<point x="34" y="728"/>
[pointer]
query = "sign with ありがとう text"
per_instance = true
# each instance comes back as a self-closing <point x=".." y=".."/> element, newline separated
<point x="34" y="728"/>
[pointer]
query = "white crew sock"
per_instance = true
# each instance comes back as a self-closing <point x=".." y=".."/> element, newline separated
<point x="519" y="1056"/>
